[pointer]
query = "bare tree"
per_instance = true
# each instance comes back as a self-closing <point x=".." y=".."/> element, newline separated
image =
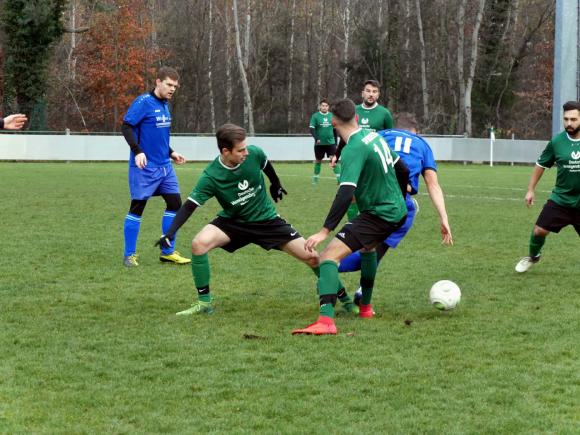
<point x="425" y="92"/>
<point x="472" y="65"/>
<point x="209" y="67"/>
<point x="346" y="21"/>
<point x="290" y="66"/>
<point x="242" y="68"/>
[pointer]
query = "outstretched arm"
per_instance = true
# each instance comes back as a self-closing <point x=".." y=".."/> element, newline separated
<point x="338" y="209"/>
<point x="180" y="218"/>
<point x="436" y="195"/>
<point x="534" y="179"/>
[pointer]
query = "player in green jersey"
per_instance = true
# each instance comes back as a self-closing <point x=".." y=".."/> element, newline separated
<point x="235" y="179"/>
<point x="377" y="178"/>
<point x="324" y="136"/>
<point x="370" y="113"/>
<point x="563" y="206"/>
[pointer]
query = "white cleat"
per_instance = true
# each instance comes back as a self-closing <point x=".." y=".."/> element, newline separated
<point x="526" y="263"/>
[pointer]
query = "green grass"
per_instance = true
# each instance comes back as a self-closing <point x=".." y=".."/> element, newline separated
<point x="88" y="346"/>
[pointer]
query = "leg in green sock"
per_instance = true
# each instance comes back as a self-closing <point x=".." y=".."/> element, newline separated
<point x="336" y="171"/>
<point x="536" y="244"/>
<point x="328" y="285"/>
<point x="201" y="274"/>
<point x="368" y="271"/>
<point x="316" y="175"/>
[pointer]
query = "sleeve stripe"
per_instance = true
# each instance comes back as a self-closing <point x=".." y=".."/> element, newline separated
<point x="348" y="183"/>
<point x="189" y="198"/>
<point x="545" y="167"/>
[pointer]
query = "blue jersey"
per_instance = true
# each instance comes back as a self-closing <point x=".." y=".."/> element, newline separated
<point x="415" y="152"/>
<point x="151" y="121"/>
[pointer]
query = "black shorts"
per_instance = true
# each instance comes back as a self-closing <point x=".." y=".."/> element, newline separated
<point x="267" y="234"/>
<point x="321" y="150"/>
<point x="554" y="217"/>
<point x="367" y="231"/>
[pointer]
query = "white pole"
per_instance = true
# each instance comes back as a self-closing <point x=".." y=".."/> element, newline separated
<point x="491" y="141"/>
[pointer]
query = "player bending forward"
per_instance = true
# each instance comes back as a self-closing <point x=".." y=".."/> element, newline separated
<point x="377" y="178"/>
<point x="235" y="179"/>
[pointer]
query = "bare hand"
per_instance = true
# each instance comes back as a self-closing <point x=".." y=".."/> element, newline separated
<point x="333" y="162"/>
<point x="15" y="122"/>
<point x="314" y="240"/>
<point x="140" y="160"/>
<point x="446" y="237"/>
<point x="529" y="198"/>
<point x="177" y="158"/>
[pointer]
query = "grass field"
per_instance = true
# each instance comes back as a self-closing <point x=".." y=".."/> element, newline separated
<point x="88" y="346"/>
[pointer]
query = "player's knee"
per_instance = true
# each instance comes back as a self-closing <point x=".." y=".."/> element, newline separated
<point x="539" y="231"/>
<point x="313" y="260"/>
<point x="198" y="247"/>
<point x="172" y="201"/>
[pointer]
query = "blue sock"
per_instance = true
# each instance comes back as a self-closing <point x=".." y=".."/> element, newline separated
<point x="165" y="224"/>
<point x="350" y="263"/>
<point x="131" y="231"/>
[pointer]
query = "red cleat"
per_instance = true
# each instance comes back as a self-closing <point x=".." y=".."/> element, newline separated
<point x="366" y="311"/>
<point x="323" y="326"/>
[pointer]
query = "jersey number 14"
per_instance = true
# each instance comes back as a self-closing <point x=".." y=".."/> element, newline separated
<point x="384" y="153"/>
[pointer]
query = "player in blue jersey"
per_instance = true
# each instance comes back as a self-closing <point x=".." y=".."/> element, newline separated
<point x="146" y="127"/>
<point x="417" y="155"/>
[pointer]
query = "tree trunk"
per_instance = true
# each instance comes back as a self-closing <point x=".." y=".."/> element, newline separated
<point x="346" y="47"/>
<point x="228" y="53"/>
<point x="424" y="89"/>
<point x="472" y="65"/>
<point x="321" y="44"/>
<point x="290" y="66"/>
<point x="209" y="67"/>
<point x="460" y="62"/>
<point x="241" y="68"/>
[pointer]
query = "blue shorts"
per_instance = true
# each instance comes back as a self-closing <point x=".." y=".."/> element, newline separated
<point x="147" y="182"/>
<point x="394" y="239"/>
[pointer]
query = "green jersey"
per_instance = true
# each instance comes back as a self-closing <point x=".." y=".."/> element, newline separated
<point x="368" y="164"/>
<point x="376" y="118"/>
<point x="564" y="152"/>
<point x="239" y="190"/>
<point x="322" y="125"/>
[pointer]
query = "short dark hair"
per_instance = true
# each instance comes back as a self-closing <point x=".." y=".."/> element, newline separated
<point x="167" y="72"/>
<point x="324" y="100"/>
<point x="344" y="110"/>
<point x="406" y="121"/>
<point x="571" y="105"/>
<point x="228" y="134"/>
<point x="374" y="83"/>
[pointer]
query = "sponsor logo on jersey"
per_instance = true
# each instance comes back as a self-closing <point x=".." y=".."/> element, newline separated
<point x="364" y="121"/>
<point x="243" y="185"/>
<point x="575" y="155"/>
<point x="163" y="121"/>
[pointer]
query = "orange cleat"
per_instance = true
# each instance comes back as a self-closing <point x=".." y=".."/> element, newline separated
<point x="323" y="326"/>
<point x="366" y="311"/>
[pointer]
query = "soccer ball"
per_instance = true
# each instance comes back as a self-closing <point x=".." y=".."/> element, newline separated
<point x="445" y="295"/>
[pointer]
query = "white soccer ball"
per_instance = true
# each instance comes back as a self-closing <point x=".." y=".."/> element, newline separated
<point x="445" y="295"/>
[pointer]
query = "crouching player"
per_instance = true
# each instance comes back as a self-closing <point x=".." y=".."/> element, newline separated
<point x="376" y="177"/>
<point x="418" y="157"/>
<point x="235" y="179"/>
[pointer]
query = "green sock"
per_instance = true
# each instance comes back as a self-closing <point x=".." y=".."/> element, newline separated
<point x="201" y="273"/>
<point x="317" y="169"/>
<point x="328" y="286"/>
<point x="368" y="271"/>
<point x="336" y="171"/>
<point x="536" y="244"/>
<point x="352" y="211"/>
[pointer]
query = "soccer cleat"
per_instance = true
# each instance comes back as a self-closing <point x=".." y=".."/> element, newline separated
<point x="199" y="307"/>
<point x="130" y="261"/>
<point x="175" y="258"/>
<point x="525" y="263"/>
<point x="366" y="311"/>
<point x="323" y="326"/>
